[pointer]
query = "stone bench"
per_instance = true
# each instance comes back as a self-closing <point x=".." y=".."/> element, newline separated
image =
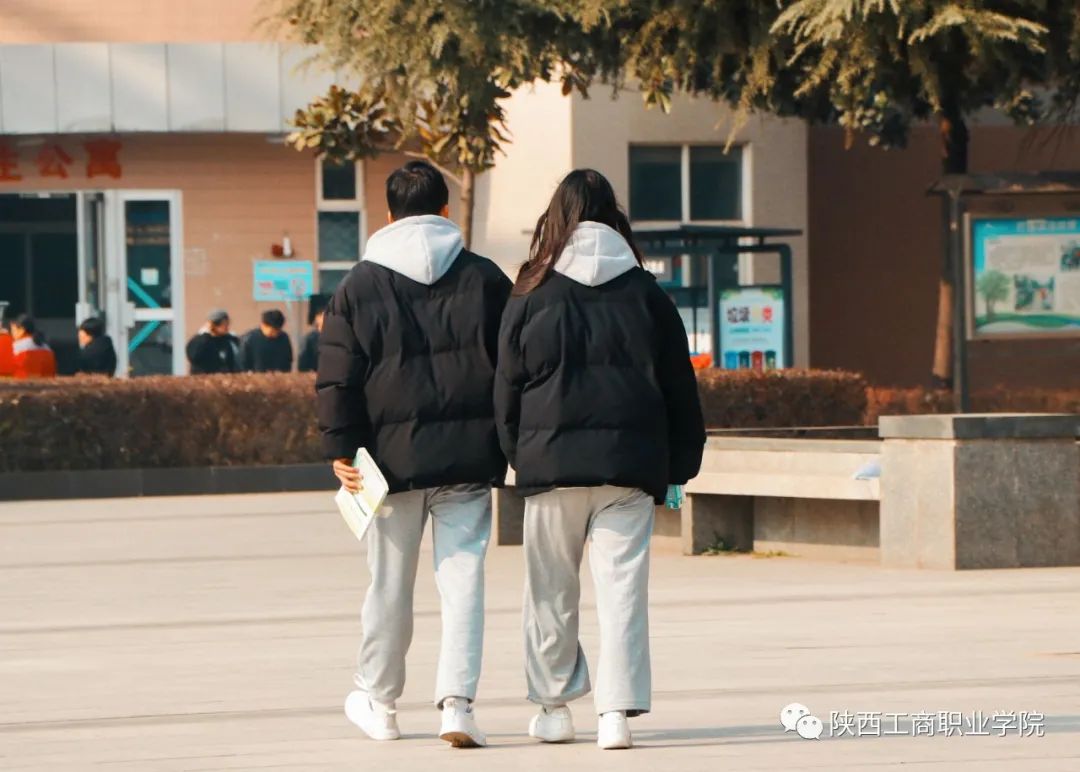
<point x="980" y="491"/>
<point x="788" y="495"/>
<point x="956" y="491"/>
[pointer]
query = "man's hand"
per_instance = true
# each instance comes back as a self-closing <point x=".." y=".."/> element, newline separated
<point x="350" y="477"/>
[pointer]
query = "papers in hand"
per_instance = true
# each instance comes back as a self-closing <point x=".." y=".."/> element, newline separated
<point x="359" y="509"/>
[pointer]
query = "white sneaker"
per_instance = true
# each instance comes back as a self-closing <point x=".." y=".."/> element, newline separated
<point x="613" y="732"/>
<point x="553" y="725"/>
<point x="459" y="724"/>
<point x="379" y="722"/>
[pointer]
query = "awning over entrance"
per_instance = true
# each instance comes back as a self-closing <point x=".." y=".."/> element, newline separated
<point x="1009" y="183"/>
<point x="83" y="88"/>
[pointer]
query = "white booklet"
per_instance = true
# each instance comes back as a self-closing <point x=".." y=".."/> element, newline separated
<point x="359" y="509"/>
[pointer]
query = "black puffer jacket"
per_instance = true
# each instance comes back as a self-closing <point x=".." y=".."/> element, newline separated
<point x="98" y="357"/>
<point x="262" y="354"/>
<point x="213" y="353"/>
<point x="407" y="358"/>
<point x="594" y="384"/>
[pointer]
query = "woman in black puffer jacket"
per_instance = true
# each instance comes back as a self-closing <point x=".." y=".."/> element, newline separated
<point x="597" y="411"/>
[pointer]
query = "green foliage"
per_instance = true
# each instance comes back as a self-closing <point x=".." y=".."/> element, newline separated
<point x="346" y="125"/>
<point x="871" y="66"/>
<point x="433" y="74"/>
<point x="442" y="68"/>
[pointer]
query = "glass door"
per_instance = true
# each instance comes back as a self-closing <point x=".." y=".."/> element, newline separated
<point x="90" y="223"/>
<point x="38" y="266"/>
<point x="145" y="281"/>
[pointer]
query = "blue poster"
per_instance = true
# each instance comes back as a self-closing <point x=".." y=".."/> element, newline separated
<point x="283" y="280"/>
<point x="1026" y="276"/>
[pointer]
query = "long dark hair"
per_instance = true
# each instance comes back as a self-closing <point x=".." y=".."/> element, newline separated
<point x="30" y="326"/>
<point x="584" y="194"/>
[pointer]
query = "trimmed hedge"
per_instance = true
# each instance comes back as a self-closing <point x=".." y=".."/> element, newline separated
<point x="910" y="401"/>
<point x="745" y="399"/>
<point x="241" y="420"/>
<point x="221" y="420"/>
<point x="101" y="423"/>
<point x="76" y="423"/>
<point x="889" y="401"/>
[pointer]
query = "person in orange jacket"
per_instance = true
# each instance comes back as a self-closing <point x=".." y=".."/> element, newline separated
<point x="33" y="357"/>
<point x="7" y="354"/>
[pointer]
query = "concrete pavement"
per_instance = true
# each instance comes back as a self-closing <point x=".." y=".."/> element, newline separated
<point x="214" y="633"/>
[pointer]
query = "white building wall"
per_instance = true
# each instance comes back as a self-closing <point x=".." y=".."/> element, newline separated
<point x="512" y="195"/>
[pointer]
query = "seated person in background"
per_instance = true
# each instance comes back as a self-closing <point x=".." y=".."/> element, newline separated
<point x="213" y="349"/>
<point x="33" y="357"/>
<point x="7" y="353"/>
<point x="309" y="351"/>
<point x="96" y="353"/>
<point x="267" y="348"/>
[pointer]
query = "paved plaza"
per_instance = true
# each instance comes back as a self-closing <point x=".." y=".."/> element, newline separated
<point x="218" y="633"/>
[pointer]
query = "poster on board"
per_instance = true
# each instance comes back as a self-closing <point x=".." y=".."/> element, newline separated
<point x="283" y="280"/>
<point x="752" y="328"/>
<point x="1025" y="276"/>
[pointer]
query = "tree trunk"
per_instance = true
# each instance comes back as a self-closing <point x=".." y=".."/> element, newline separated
<point x="954" y="160"/>
<point x="942" y="373"/>
<point x="468" y="204"/>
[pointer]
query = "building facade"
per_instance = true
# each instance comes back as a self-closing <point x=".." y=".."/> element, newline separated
<point x="877" y="241"/>
<point x="143" y="172"/>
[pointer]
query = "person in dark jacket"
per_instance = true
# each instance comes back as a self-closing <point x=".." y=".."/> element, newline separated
<point x="267" y="348"/>
<point x="597" y="410"/>
<point x="406" y="367"/>
<point x="96" y="352"/>
<point x="309" y="352"/>
<point x="213" y="349"/>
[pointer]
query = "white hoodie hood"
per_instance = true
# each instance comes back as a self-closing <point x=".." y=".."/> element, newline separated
<point x="595" y="255"/>
<point x="422" y="247"/>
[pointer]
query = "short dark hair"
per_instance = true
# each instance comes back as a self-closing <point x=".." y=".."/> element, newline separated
<point x="26" y="322"/>
<point x="274" y="318"/>
<point x="30" y="327"/>
<point x="94" y="327"/>
<point x="416" y="188"/>
<point x="317" y="305"/>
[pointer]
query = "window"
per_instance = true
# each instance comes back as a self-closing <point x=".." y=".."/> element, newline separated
<point x="340" y="231"/>
<point x="338" y="181"/>
<point x="656" y="183"/>
<point x="685" y="183"/>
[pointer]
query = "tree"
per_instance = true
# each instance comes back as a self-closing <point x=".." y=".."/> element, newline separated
<point x="874" y="67"/>
<point x="434" y="75"/>
<point x="994" y="288"/>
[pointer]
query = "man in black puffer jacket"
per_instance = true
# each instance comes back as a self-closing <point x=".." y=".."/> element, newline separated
<point x="406" y="369"/>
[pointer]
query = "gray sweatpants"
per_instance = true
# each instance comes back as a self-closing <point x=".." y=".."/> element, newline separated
<point x="461" y="528"/>
<point x="617" y="523"/>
